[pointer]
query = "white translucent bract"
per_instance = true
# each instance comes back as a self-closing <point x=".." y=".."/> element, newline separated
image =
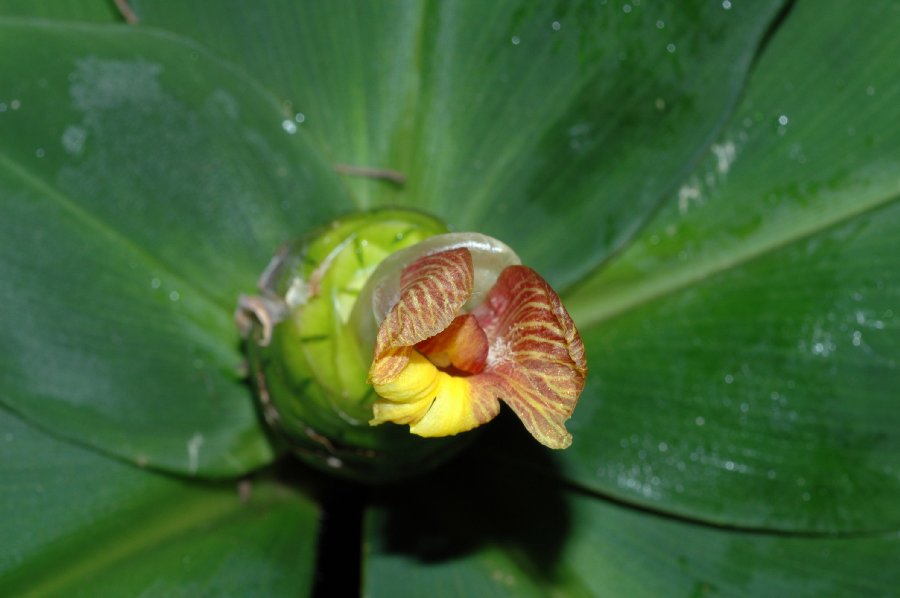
<point x="382" y="291"/>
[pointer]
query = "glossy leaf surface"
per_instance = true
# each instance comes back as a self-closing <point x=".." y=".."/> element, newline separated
<point x="745" y="347"/>
<point x="85" y="524"/>
<point x="742" y="345"/>
<point x="143" y="186"/>
<point x="65" y="10"/>
<point x="503" y="533"/>
<point x="515" y="119"/>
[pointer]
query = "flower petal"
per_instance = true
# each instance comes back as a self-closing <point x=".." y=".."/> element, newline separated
<point x="463" y="345"/>
<point x="399" y="413"/>
<point x="536" y="363"/>
<point x="417" y="381"/>
<point x="432" y="402"/>
<point x="408" y="396"/>
<point x="455" y="409"/>
<point x="432" y="291"/>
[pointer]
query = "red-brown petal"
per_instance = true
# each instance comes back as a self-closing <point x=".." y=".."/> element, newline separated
<point x="463" y="344"/>
<point x="432" y="291"/>
<point x="536" y="364"/>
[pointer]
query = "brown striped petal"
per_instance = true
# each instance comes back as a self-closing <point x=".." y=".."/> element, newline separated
<point x="536" y="363"/>
<point x="433" y="290"/>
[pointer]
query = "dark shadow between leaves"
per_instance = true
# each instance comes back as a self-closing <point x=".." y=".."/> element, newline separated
<point x="479" y="501"/>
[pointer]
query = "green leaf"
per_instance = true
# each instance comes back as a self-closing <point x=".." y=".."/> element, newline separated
<point x="74" y="521"/>
<point x="494" y="531"/>
<point x="143" y="187"/>
<point x="517" y="119"/>
<point x="744" y="348"/>
<point x="75" y="10"/>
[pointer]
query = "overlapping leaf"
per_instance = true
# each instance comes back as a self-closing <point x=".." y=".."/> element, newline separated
<point x="745" y="347"/>
<point x="76" y="522"/>
<point x="142" y="187"/>
<point x="517" y="119"/>
<point x="64" y="10"/>
<point x="511" y="533"/>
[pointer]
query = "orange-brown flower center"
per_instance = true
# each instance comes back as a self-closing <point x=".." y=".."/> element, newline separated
<point x="462" y="348"/>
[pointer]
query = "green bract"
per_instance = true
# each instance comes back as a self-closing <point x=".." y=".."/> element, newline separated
<point x="311" y="374"/>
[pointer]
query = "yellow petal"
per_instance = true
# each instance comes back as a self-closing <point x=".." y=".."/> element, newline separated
<point x="452" y="411"/>
<point x="399" y="413"/>
<point x="432" y="402"/>
<point x="417" y="381"/>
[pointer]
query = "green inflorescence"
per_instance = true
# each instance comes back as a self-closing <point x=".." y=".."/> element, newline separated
<point x="311" y="376"/>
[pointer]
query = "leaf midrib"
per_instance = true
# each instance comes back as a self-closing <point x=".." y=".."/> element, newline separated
<point x="185" y="515"/>
<point x="589" y="311"/>
<point x="90" y="220"/>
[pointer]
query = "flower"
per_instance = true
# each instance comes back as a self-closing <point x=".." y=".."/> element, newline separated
<point x="442" y="371"/>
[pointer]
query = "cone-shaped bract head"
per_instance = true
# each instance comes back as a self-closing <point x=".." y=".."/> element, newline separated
<point x="381" y="318"/>
<point x="310" y="371"/>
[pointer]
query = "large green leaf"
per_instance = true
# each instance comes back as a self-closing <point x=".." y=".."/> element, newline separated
<point x="475" y="531"/>
<point x="76" y="10"/>
<point x="518" y="119"/>
<point x="78" y="523"/>
<point x="143" y="186"/>
<point x="744" y="349"/>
